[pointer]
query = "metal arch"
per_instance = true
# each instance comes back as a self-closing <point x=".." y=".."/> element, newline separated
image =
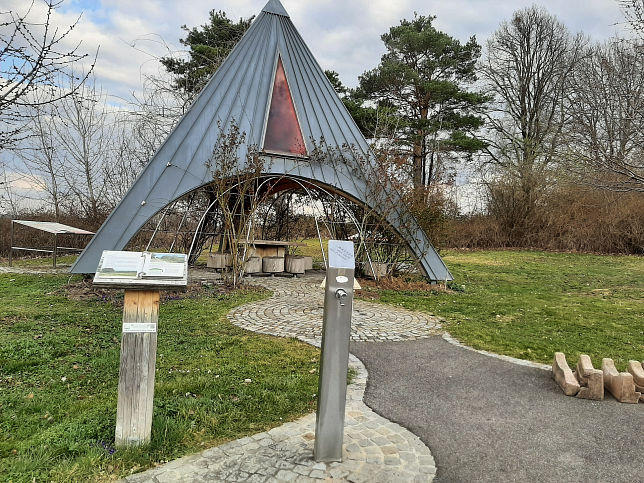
<point x="340" y="200"/>
<point x="266" y="179"/>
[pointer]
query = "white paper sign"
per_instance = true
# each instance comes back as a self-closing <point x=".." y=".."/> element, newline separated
<point x="139" y="327"/>
<point x="341" y="254"/>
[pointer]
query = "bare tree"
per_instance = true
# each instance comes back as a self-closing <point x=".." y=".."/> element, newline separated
<point x="606" y="127"/>
<point x="42" y="159"/>
<point x="33" y="65"/>
<point x="84" y="129"/>
<point x="153" y="115"/>
<point x="10" y="201"/>
<point x="634" y="12"/>
<point x="528" y="62"/>
<point x="235" y="179"/>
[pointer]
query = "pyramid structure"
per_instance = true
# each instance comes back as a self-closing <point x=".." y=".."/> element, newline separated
<point x="272" y="88"/>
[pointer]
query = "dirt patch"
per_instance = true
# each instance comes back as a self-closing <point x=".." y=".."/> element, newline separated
<point x="84" y="290"/>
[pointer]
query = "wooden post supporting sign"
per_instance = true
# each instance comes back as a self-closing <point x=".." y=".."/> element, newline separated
<point x="142" y="275"/>
<point x="137" y="369"/>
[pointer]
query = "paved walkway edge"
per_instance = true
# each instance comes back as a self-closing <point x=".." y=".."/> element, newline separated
<point x="448" y="337"/>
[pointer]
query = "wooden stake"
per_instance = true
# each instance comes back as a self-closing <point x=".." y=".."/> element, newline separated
<point x="136" y="373"/>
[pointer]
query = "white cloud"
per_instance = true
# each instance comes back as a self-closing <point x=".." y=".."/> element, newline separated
<point x="343" y="35"/>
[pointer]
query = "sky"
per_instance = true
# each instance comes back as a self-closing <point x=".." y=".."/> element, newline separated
<point x="130" y="35"/>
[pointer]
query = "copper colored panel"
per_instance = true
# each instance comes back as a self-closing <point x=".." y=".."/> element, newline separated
<point x="282" y="129"/>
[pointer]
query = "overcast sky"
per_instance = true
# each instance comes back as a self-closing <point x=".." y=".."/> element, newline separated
<point x="343" y="35"/>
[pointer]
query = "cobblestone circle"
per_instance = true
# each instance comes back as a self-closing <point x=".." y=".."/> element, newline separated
<point x="295" y="310"/>
<point x="375" y="449"/>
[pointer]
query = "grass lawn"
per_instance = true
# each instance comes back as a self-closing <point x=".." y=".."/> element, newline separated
<point x="40" y="262"/>
<point x="530" y="304"/>
<point x="59" y="374"/>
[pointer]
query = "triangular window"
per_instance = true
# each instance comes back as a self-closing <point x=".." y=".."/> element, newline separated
<point x="283" y="132"/>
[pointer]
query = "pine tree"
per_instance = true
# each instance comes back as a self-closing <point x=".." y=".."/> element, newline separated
<point x="425" y="74"/>
<point x="209" y="45"/>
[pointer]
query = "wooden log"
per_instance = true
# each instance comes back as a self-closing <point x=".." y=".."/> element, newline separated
<point x="253" y="265"/>
<point x="308" y="263"/>
<point x="137" y="368"/>
<point x="294" y="264"/>
<point x="619" y="384"/>
<point x="219" y="260"/>
<point x="273" y="264"/>
<point x="563" y="375"/>
<point x="590" y="379"/>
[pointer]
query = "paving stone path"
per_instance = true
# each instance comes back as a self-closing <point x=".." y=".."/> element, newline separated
<point x="295" y="310"/>
<point x="375" y="449"/>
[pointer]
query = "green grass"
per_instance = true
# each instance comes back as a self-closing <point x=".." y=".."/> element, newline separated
<point x="39" y="262"/>
<point x="55" y="429"/>
<point x="312" y="248"/>
<point x="529" y="304"/>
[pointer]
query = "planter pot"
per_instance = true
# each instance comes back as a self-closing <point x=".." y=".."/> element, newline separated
<point x="219" y="260"/>
<point x="253" y="265"/>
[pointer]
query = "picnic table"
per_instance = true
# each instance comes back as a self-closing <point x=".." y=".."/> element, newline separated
<point x="270" y="248"/>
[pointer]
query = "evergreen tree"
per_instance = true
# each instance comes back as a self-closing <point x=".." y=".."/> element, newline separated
<point x="424" y="75"/>
<point x="208" y="45"/>
<point x="373" y="122"/>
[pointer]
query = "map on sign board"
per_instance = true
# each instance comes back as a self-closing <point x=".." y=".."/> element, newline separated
<point x="341" y="254"/>
<point x="141" y="268"/>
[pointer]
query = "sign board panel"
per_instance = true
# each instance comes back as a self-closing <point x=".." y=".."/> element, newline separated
<point x="144" y="269"/>
<point x="341" y="254"/>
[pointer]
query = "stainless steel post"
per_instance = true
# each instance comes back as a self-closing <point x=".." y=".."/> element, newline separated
<point x="334" y="361"/>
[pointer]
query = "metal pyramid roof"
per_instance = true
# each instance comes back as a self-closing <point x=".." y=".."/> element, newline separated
<point x="239" y="92"/>
<point x="275" y="6"/>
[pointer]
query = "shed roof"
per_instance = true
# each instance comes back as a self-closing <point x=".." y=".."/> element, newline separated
<point x="53" y="227"/>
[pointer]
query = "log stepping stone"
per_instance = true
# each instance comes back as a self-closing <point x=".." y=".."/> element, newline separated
<point x="590" y="379"/>
<point x="273" y="264"/>
<point x="619" y="384"/>
<point x="253" y="265"/>
<point x="563" y="375"/>
<point x="294" y="264"/>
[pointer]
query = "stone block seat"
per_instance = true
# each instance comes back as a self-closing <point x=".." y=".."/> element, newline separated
<point x="563" y="375"/>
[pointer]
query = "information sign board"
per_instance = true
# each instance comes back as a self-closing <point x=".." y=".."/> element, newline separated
<point x="145" y="269"/>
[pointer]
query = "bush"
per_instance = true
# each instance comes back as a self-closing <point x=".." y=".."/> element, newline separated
<point x="570" y="219"/>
